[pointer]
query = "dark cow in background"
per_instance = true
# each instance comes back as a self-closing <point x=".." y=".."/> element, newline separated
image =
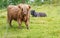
<point x="38" y="14"/>
<point x="18" y="13"/>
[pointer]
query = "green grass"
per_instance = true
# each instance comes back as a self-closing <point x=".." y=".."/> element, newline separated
<point x="40" y="27"/>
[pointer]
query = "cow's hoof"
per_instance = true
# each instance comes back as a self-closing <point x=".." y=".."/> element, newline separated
<point x="28" y="28"/>
<point x="20" y="27"/>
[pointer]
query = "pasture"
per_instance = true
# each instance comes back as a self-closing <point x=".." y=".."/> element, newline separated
<point x="40" y="27"/>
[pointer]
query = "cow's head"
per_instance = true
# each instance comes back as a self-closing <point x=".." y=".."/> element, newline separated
<point x="25" y="9"/>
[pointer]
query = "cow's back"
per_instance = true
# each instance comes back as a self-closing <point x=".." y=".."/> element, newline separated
<point x="13" y="11"/>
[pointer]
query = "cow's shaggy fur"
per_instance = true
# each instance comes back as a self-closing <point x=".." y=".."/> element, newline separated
<point x="18" y="13"/>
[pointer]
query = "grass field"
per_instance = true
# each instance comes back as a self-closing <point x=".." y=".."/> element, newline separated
<point x="40" y="27"/>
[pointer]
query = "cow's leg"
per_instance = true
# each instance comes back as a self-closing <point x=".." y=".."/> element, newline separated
<point x="27" y="24"/>
<point x="19" y="23"/>
<point x="9" y="21"/>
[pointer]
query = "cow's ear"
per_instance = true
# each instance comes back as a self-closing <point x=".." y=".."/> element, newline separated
<point x="19" y="6"/>
<point x="29" y="6"/>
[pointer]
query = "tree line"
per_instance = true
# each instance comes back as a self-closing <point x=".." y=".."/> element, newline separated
<point x="5" y="3"/>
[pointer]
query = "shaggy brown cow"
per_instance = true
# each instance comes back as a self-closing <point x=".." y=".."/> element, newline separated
<point x="19" y="13"/>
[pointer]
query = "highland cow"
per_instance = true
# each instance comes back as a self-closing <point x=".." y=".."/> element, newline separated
<point x="18" y="13"/>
